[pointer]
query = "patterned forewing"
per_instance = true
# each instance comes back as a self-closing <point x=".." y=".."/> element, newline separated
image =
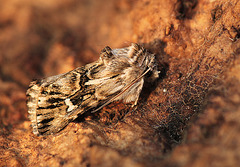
<point x="51" y="100"/>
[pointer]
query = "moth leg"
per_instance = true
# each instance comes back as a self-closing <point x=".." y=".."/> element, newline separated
<point x="135" y="103"/>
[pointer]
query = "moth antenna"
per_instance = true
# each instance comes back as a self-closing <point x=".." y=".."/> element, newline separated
<point x="124" y="90"/>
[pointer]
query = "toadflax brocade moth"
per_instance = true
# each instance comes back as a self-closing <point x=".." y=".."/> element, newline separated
<point x="118" y="74"/>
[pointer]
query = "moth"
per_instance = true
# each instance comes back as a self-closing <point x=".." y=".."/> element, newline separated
<point x="118" y="74"/>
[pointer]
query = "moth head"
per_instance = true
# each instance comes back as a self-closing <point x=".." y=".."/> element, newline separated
<point x="133" y="57"/>
<point x="145" y="60"/>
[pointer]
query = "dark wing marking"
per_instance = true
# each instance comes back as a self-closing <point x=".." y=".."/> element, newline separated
<point x="48" y="108"/>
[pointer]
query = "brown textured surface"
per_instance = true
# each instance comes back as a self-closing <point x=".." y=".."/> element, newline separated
<point x="190" y="117"/>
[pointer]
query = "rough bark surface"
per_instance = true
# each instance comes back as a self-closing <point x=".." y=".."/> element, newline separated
<point x="189" y="117"/>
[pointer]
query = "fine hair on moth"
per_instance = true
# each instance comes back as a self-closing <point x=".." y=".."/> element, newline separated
<point x="118" y="74"/>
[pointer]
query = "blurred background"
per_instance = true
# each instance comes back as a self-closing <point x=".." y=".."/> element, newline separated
<point x="189" y="117"/>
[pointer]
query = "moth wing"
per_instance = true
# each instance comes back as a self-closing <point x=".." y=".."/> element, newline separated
<point x="51" y="101"/>
<point x="128" y="93"/>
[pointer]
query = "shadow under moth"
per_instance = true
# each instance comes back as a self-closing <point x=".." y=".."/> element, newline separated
<point x="118" y="74"/>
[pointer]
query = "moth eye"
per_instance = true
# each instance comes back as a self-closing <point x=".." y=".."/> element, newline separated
<point x="44" y="92"/>
<point x="149" y="74"/>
